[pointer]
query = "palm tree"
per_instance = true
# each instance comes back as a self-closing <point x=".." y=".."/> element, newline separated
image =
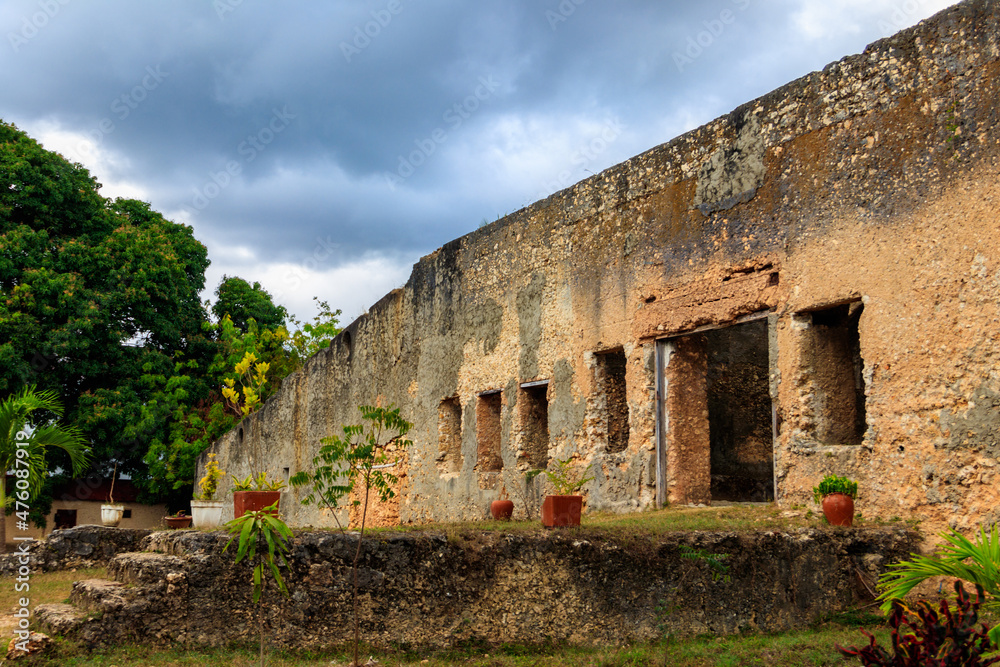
<point x="22" y="447"/>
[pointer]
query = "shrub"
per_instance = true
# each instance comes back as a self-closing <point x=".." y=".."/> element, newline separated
<point x="834" y="484"/>
<point x="947" y="637"/>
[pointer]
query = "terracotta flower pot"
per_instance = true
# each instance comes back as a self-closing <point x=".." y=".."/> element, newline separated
<point x="178" y="521"/>
<point x="254" y="501"/>
<point x="502" y="509"/>
<point x="838" y="508"/>
<point x="561" y="511"/>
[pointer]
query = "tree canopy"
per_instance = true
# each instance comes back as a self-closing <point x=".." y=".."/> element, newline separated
<point x="93" y="290"/>
<point x="242" y="302"/>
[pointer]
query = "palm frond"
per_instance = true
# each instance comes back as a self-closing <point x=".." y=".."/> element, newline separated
<point x="958" y="558"/>
<point x="67" y="438"/>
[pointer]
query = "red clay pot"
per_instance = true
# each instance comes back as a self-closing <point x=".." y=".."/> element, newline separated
<point x="561" y="511"/>
<point x="838" y="508"/>
<point x="178" y="521"/>
<point x="502" y="509"/>
<point x="254" y="501"/>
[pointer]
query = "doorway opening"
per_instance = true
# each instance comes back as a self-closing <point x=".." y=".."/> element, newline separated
<point x="739" y="413"/>
<point x="715" y="415"/>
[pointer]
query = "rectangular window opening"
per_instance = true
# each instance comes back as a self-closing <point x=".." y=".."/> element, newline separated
<point x="488" y="430"/>
<point x="836" y="371"/>
<point x="65" y="519"/>
<point x="450" y="435"/>
<point x="611" y="385"/>
<point x="534" y="413"/>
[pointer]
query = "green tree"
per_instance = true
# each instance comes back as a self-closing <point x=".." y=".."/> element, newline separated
<point x="24" y="445"/>
<point x="309" y="338"/>
<point x="193" y="425"/>
<point x="366" y="453"/>
<point x="92" y="292"/>
<point x="99" y="302"/>
<point x="264" y="540"/>
<point x="242" y="302"/>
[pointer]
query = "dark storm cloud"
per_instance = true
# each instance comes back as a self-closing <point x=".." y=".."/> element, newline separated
<point x="391" y="125"/>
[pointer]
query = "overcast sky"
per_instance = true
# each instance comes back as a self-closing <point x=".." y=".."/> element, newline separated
<point x="321" y="148"/>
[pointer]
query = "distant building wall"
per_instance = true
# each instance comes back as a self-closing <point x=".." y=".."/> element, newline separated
<point x="89" y="513"/>
<point x="852" y="214"/>
<point x="78" y="503"/>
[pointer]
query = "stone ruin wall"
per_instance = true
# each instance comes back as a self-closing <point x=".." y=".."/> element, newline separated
<point x="857" y="201"/>
<point x="431" y="590"/>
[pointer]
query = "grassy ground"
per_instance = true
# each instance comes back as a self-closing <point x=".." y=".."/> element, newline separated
<point x="812" y="647"/>
<point x="736" y="517"/>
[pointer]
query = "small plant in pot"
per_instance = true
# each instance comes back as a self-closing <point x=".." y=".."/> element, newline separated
<point x="206" y="511"/>
<point x="565" y="506"/>
<point x="256" y="493"/>
<point x="111" y="512"/>
<point x="178" y="520"/>
<point x="836" y="495"/>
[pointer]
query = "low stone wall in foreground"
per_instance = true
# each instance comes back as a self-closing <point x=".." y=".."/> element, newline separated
<point x="81" y="546"/>
<point x="581" y="587"/>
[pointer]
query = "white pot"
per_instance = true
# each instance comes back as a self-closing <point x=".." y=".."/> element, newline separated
<point x="206" y="514"/>
<point x="111" y="515"/>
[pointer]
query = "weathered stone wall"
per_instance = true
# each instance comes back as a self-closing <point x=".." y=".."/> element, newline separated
<point x="425" y="589"/>
<point x="873" y="182"/>
<point x="82" y="546"/>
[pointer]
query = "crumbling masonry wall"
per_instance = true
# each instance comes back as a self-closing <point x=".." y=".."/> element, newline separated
<point x="873" y="183"/>
<point x="426" y="589"/>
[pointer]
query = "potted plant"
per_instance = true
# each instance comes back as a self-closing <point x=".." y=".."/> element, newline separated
<point x="836" y="495"/>
<point x="179" y="520"/>
<point x="111" y="513"/>
<point x="256" y="493"/>
<point x="206" y="511"/>
<point x="503" y="508"/>
<point x="565" y="506"/>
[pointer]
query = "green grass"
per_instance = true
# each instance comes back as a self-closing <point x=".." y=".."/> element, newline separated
<point x="652" y="522"/>
<point x="810" y="647"/>
<point x="45" y="588"/>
